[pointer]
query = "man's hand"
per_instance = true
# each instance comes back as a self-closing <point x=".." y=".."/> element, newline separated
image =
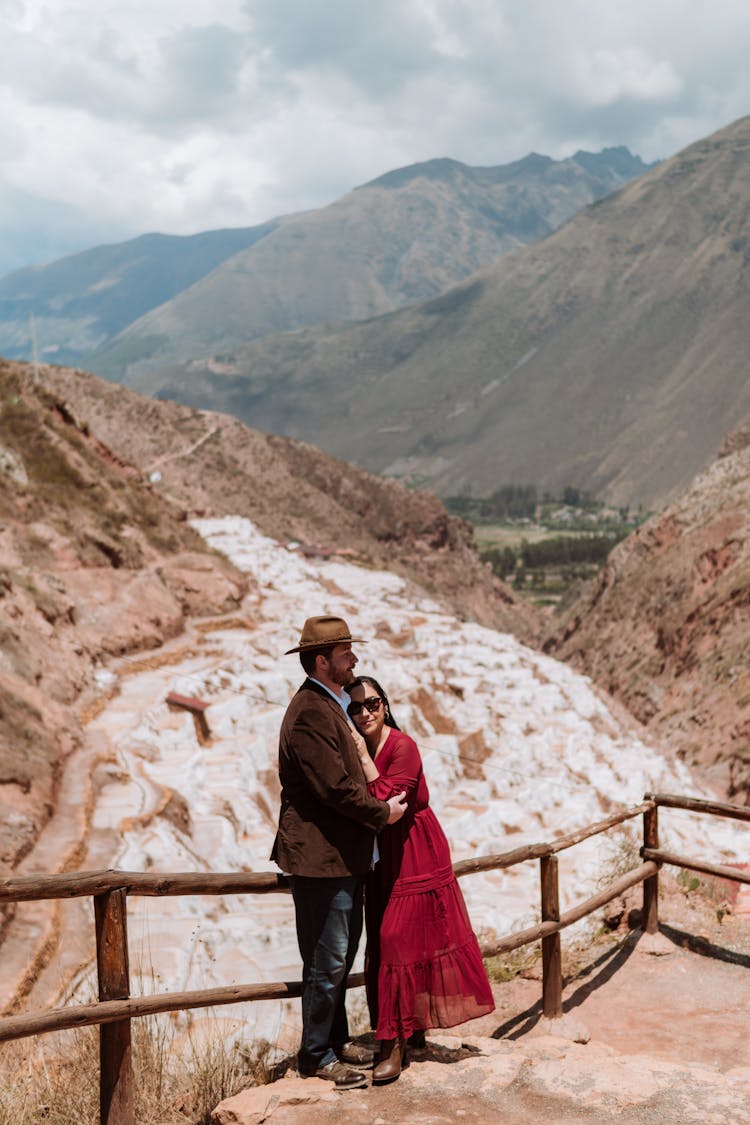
<point x="397" y="806"/>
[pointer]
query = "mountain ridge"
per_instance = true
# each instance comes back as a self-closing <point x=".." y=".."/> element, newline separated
<point x="91" y="296"/>
<point x="609" y="355"/>
<point x="386" y="244"/>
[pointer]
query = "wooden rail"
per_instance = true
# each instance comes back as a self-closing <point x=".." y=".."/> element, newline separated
<point x="721" y="871"/>
<point x="110" y="891"/>
<point x="695" y="804"/>
<point x="87" y="884"/>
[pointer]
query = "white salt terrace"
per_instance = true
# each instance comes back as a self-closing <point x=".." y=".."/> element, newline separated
<point x="553" y="759"/>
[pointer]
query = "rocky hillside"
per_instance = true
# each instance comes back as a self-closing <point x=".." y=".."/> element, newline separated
<point x="405" y="237"/>
<point x="610" y="355"/>
<point x="97" y="558"/>
<point x="210" y="464"/>
<point x="93" y="563"/>
<point x="665" y="628"/>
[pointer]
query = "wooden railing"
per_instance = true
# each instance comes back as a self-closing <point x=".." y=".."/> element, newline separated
<point x="110" y="890"/>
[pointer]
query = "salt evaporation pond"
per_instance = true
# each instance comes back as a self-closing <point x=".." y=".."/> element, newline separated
<point x="517" y="748"/>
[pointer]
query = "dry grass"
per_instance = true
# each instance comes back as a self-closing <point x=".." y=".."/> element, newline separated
<point x="55" y="1078"/>
<point x="507" y="966"/>
<point x="622" y="854"/>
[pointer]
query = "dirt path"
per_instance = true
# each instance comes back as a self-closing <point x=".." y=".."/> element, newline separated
<point x="169" y="457"/>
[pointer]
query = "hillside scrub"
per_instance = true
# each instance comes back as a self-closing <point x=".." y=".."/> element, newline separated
<point x="55" y="1078"/>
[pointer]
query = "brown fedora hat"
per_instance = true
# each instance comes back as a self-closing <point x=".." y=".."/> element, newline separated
<point x="323" y="632"/>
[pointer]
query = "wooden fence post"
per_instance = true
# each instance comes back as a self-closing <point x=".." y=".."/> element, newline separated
<point x="116" y="1094"/>
<point x="651" y="885"/>
<point x="551" y="956"/>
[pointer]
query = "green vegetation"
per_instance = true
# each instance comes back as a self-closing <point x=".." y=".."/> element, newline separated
<point x="573" y="510"/>
<point x="543" y="544"/>
<point x="688" y="881"/>
<point x="509" y="502"/>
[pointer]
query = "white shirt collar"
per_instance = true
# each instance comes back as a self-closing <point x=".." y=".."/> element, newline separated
<point x="343" y="699"/>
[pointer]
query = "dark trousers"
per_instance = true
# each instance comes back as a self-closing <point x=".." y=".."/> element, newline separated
<point x="329" y="926"/>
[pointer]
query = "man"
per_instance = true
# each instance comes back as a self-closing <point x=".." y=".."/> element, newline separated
<point x="325" y="842"/>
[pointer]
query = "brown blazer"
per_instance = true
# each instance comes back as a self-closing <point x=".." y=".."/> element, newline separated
<point x="328" y="820"/>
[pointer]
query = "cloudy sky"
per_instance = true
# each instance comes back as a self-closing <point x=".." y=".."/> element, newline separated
<point x="125" y="116"/>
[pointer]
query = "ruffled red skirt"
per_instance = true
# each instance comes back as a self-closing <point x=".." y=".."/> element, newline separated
<point x="423" y="965"/>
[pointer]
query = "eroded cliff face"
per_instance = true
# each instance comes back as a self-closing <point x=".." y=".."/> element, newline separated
<point x="93" y="563"/>
<point x="666" y="627"/>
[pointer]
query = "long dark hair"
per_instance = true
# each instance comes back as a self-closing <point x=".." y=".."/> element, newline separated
<point x="360" y="681"/>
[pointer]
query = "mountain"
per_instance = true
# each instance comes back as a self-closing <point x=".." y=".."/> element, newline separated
<point x="405" y="237"/>
<point x="611" y="355"/>
<point x="665" y="626"/>
<point x="97" y="558"/>
<point x="84" y="299"/>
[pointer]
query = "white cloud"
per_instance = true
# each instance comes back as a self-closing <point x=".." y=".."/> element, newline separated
<point x="627" y="73"/>
<point x="183" y="115"/>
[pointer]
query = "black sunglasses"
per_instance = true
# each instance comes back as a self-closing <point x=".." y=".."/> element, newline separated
<point x="372" y="704"/>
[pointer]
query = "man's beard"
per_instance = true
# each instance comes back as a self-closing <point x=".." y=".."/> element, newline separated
<point x="342" y="678"/>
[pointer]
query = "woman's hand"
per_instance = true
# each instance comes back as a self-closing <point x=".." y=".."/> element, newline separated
<point x="369" y="769"/>
<point x="361" y="745"/>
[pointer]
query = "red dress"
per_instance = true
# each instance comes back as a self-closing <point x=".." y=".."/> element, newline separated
<point x="423" y="966"/>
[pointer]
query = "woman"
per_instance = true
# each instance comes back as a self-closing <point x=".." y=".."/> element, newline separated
<point x="423" y="966"/>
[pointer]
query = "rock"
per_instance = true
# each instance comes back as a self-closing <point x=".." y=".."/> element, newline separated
<point x="201" y="584"/>
<point x="93" y="563"/>
<point x="628" y="1081"/>
<point x="657" y="945"/>
<point x="564" y="1027"/>
<point x="250" y="1107"/>
<point x="447" y="1042"/>
<point x="485" y="1070"/>
<point x="486" y="1044"/>
<point x="12" y="466"/>
<point x="546" y="1046"/>
<point x="120" y="611"/>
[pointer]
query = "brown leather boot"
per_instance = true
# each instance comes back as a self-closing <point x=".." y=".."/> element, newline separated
<point x="392" y="1060"/>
